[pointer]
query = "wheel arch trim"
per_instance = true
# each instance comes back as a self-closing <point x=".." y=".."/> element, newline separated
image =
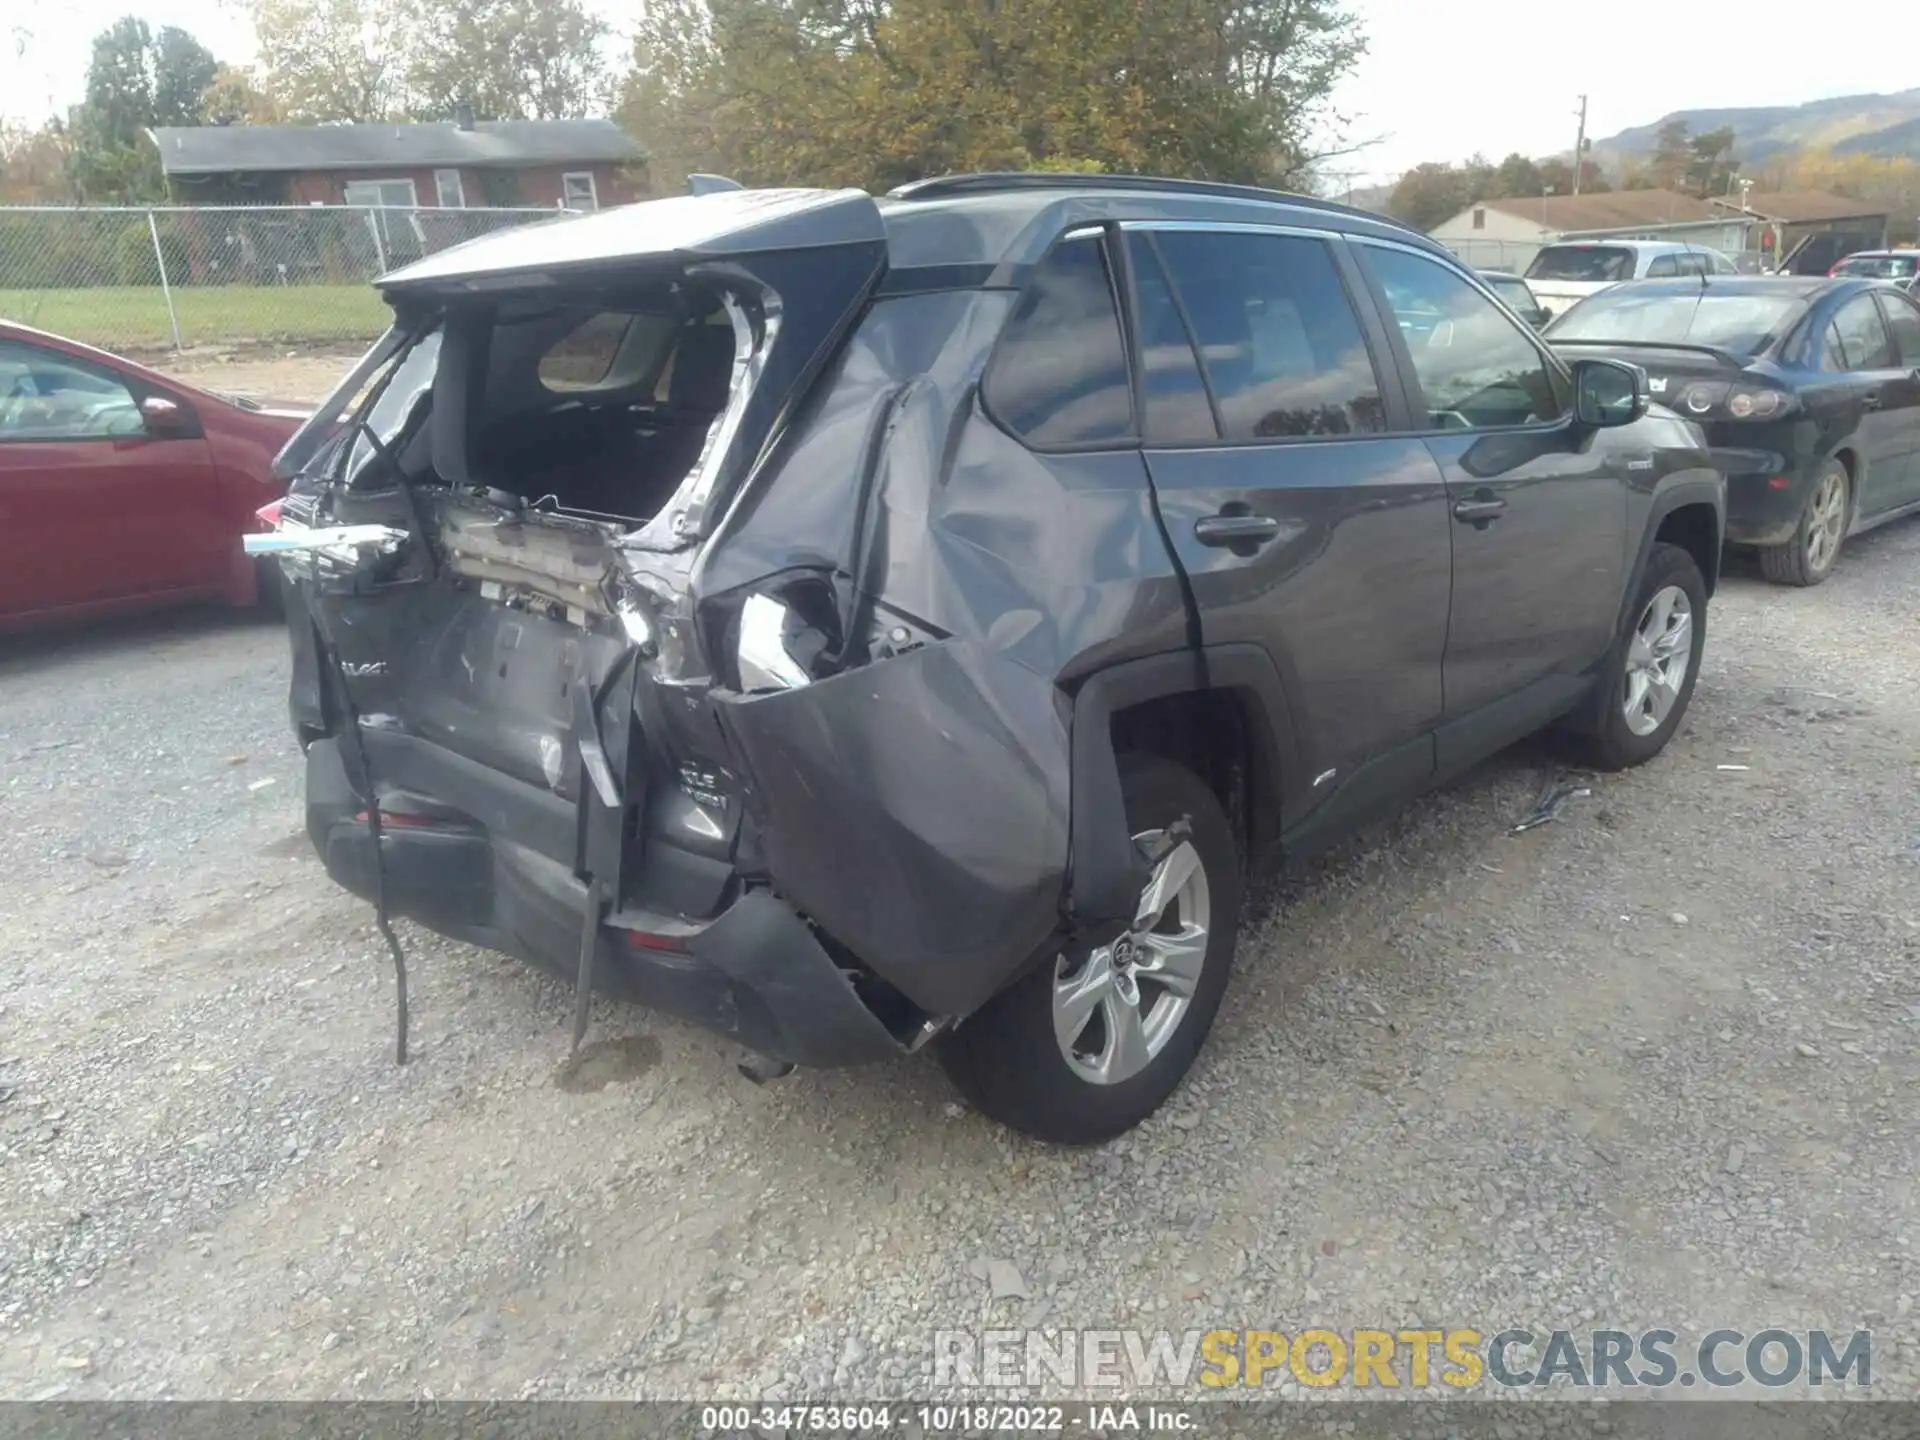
<point x="1106" y="876"/>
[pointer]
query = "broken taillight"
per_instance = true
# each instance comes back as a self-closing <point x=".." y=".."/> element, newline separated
<point x="642" y="940"/>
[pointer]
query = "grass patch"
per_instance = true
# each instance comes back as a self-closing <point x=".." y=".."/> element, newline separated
<point x="135" y="317"/>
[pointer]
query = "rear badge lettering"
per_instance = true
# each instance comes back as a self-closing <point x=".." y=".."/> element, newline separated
<point x="361" y="671"/>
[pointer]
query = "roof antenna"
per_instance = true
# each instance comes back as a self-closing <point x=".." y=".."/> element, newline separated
<point x="702" y="184"/>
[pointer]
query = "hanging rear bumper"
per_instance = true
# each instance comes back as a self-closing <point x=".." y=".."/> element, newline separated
<point x="756" y="972"/>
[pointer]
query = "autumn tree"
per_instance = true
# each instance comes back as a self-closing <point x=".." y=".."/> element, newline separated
<point x="35" y="164"/>
<point x="331" y="59"/>
<point x="508" y="59"/>
<point x="1431" y="193"/>
<point x="875" y="92"/>
<point x="235" y="98"/>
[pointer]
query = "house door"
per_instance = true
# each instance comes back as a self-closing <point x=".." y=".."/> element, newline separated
<point x="393" y="229"/>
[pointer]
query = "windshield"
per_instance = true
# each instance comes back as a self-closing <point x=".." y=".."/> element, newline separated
<point x="1740" y="323"/>
<point x="1878" y="267"/>
<point x="1602" y="263"/>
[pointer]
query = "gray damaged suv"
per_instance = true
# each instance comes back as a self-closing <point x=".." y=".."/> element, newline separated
<point x="860" y="624"/>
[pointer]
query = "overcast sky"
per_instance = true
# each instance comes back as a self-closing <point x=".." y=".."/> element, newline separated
<point x="1439" y="82"/>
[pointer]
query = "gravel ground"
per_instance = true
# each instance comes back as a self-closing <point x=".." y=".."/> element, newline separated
<point x="1649" y="1065"/>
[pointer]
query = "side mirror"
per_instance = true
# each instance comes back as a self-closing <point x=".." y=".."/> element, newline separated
<point x="1607" y="393"/>
<point x="163" y="417"/>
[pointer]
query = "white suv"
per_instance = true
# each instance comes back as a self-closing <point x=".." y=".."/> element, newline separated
<point x="1563" y="275"/>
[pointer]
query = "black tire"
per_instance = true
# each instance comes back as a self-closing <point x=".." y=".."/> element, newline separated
<point x="1610" y="742"/>
<point x="269" y="589"/>
<point x="1005" y="1058"/>
<point x="1799" y="561"/>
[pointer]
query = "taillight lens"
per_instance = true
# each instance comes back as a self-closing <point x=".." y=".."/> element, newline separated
<point x="269" y="514"/>
<point x="1737" y="402"/>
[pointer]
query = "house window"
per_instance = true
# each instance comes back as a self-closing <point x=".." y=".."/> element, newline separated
<point x="577" y="190"/>
<point x="396" y="193"/>
<point x="1479" y="217"/>
<point x="448" y="189"/>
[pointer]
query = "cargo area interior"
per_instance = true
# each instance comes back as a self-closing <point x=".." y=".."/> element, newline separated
<point x="596" y="405"/>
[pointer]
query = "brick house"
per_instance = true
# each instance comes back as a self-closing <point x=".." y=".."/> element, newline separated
<point x="581" y="164"/>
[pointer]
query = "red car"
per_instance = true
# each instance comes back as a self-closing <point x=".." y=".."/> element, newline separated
<point x="120" y="487"/>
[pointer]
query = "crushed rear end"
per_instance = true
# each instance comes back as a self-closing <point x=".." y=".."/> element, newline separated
<point x="578" y="721"/>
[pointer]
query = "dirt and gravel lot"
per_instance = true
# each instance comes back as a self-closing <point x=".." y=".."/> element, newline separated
<point x="1652" y="1064"/>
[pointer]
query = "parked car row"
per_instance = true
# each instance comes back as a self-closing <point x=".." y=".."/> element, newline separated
<point x="1808" y="391"/>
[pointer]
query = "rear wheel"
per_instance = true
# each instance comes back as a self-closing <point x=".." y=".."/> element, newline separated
<point x="1808" y="558"/>
<point x="1089" y="1045"/>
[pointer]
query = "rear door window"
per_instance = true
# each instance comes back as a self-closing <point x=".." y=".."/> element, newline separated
<point x="1903" y="319"/>
<point x="1177" y="407"/>
<point x="1058" y="377"/>
<point x="1862" y="337"/>
<point x="1283" y="349"/>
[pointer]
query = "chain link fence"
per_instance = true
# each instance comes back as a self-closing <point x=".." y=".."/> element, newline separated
<point x="170" y="278"/>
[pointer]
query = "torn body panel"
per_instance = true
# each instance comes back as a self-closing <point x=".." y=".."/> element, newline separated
<point x="803" y="722"/>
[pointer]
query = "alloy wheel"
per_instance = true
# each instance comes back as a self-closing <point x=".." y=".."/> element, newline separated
<point x="1115" y="1011"/>
<point x="1657" y="659"/>
<point x="1826" y="520"/>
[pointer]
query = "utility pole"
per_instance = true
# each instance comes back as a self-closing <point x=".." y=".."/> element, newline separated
<point x="1580" y="145"/>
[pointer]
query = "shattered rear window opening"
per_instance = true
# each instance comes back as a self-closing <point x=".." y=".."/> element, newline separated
<point x="594" y="404"/>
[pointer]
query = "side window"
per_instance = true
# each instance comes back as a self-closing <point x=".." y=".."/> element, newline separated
<point x="1903" y="319"/>
<point x="45" y="396"/>
<point x="1864" y="342"/>
<point x="607" y="351"/>
<point x="1282" y="346"/>
<point x="1059" y="374"/>
<point x="1177" y="407"/>
<point x="1833" y="355"/>
<point x="1662" y="267"/>
<point x="1477" y="368"/>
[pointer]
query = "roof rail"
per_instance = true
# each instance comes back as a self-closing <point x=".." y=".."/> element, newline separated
<point x="941" y="187"/>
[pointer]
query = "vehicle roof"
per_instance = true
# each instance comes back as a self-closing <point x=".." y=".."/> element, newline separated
<point x="1660" y="247"/>
<point x="991" y="224"/>
<point x="1801" y="287"/>
<point x="1880" y="254"/>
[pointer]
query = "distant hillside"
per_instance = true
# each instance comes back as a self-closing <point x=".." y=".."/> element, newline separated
<point x="1849" y="124"/>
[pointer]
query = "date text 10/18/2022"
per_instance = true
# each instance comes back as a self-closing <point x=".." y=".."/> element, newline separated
<point x="1107" y="1419"/>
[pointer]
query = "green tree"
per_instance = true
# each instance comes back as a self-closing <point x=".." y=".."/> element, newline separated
<point x="1429" y="194"/>
<point x="135" y="81"/>
<point x="875" y="92"/>
<point x="1518" y="175"/>
<point x="1556" y="175"/>
<point x="1666" y="168"/>
<point x="183" y="68"/>
<point x="1710" y="163"/>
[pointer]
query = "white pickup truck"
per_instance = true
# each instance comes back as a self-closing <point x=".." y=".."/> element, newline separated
<point x="1563" y="275"/>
